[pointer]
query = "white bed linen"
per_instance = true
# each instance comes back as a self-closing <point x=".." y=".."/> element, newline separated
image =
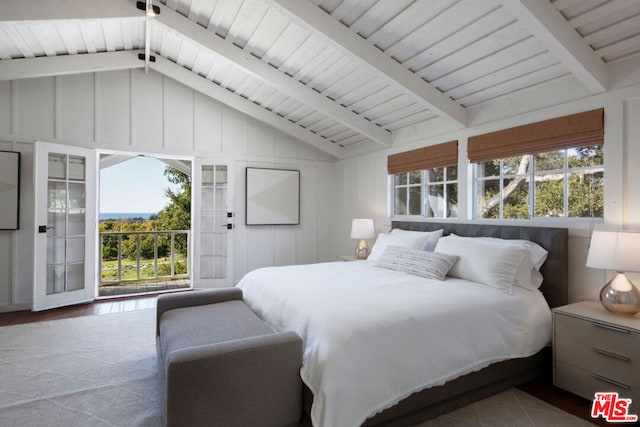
<point x="373" y="336"/>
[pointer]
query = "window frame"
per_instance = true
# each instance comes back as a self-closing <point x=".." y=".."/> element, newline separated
<point x="424" y="185"/>
<point x="407" y="186"/>
<point x="566" y="172"/>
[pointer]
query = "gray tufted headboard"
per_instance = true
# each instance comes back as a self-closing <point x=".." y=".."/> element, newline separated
<point x="554" y="240"/>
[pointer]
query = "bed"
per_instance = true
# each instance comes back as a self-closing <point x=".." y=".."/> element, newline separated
<point x="353" y="318"/>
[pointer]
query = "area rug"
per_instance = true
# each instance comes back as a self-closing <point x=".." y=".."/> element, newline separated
<point x="101" y="371"/>
<point x="85" y="371"/>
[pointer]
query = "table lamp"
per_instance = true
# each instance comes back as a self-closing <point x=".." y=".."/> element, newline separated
<point x="362" y="229"/>
<point x="619" y="251"/>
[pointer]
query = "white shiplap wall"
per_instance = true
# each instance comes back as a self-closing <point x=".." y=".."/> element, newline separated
<point x="148" y="113"/>
<point x="364" y="178"/>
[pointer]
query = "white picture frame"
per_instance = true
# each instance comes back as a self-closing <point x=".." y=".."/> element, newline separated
<point x="9" y="190"/>
<point x="272" y="196"/>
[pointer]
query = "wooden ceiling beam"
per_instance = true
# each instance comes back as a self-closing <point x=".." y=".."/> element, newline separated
<point x="553" y="31"/>
<point x="272" y="76"/>
<point x="24" y="68"/>
<point x="323" y="25"/>
<point x="32" y="10"/>
<point x="208" y="88"/>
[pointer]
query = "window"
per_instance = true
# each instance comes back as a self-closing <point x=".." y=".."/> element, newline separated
<point x="408" y="193"/>
<point x="442" y="192"/>
<point x="560" y="183"/>
<point x="425" y="181"/>
<point x="440" y="185"/>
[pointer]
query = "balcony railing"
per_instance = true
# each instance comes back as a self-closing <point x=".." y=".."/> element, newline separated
<point x="143" y="256"/>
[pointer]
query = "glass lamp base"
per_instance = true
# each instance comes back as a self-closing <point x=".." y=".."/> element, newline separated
<point x="362" y="251"/>
<point x="620" y="296"/>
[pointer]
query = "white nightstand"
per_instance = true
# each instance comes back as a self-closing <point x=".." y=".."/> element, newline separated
<point x="596" y="351"/>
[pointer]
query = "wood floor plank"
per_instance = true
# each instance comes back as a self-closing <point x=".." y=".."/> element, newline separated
<point x="97" y="307"/>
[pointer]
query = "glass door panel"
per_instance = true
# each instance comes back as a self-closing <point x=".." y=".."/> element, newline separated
<point x="65" y="216"/>
<point x="213" y="225"/>
<point x="66" y="200"/>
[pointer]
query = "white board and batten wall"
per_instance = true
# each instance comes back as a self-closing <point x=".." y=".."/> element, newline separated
<point x="146" y="113"/>
<point x="364" y="189"/>
<point x="131" y="111"/>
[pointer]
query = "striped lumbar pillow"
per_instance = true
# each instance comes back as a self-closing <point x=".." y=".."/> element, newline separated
<point x="420" y="263"/>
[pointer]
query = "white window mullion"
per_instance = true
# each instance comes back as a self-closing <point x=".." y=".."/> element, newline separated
<point x="532" y="186"/>
<point x="425" y="193"/>
<point x="501" y="210"/>
<point x="445" y="194"/>
<point x="566" y="184"/>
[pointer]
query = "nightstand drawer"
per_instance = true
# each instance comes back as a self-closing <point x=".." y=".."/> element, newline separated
<point x="596" y="351"/>
<point x="581" y="336"/>
<point x="586" y="384"/>
<point x="600" y="361"/>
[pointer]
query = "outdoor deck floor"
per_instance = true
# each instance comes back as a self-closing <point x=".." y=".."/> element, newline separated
<point x="128" y="289"/>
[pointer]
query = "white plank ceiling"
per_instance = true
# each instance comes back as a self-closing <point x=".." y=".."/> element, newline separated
<point x="337" y="74"/>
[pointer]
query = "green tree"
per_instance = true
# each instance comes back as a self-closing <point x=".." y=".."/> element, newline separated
<point x="586" y="195"/>
<point x="177" y="214"/>
<point x="584" y="179"/>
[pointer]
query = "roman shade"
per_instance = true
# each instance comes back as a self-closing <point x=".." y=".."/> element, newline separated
<point x="577" y="130"/>
<point x="434" y="156"/>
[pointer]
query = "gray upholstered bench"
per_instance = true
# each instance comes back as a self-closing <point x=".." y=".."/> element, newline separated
<point x="221" y="365"/>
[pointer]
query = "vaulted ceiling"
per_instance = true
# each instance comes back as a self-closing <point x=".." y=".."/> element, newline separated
<point x="336" y="74"/>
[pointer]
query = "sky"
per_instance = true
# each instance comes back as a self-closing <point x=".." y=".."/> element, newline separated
<point x="136" y="185"/>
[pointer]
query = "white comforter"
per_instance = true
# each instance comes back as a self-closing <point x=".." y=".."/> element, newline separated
<point x="374" y="336"/>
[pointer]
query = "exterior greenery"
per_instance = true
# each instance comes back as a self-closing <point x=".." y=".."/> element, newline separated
<point x="563" y="183"/>
<point x="440" y="186"/>
<point x="175" y="216"/>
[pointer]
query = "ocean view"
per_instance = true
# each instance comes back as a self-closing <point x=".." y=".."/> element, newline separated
<point x="123" y="215"/>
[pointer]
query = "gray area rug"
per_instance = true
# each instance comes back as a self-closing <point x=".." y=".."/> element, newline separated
<point x="85" y="371"/>
<point x="101" y="371"/>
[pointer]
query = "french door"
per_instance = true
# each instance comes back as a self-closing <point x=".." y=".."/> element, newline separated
<point x="213" y="224"/>
<point x="65" y="220"/>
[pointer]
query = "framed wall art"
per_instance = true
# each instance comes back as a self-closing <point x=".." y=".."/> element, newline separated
<point x="272" y="197"/>
<point x="9" y="190"/>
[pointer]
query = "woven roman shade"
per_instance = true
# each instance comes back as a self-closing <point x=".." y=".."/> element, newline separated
<point x="577" y="130"/>
<point x="434" y="156"/>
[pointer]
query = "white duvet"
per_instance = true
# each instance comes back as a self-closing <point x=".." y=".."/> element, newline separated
<point x="374" y="336"/>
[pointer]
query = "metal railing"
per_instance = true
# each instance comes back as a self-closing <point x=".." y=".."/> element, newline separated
<point x="140" y="264"/>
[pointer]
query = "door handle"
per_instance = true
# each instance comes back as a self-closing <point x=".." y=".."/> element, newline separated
<point x="44" y="228"/>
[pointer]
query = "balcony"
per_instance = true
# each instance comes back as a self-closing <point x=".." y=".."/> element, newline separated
<point x="134" y="262"/>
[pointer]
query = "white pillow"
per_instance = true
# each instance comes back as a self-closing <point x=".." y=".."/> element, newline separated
<point x="528" y="275"/>
<point x="409" y="241"/>
<point x="490" y="263"/>
<point x="432" y="236"/>
<point x="537" y="254"/>
<point x="417" y="262"/>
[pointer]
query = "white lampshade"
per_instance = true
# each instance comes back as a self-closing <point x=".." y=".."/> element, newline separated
<point x="362" y="229"/>
<point x="614" y="250"/>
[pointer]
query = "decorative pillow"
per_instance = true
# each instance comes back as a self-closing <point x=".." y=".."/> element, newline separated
<point x="409" y="241"/>
<point x="528" y="275"/>
<point x="420" y="263"/>
<point x="490" y="263"/>
<point x="432" y="236"/>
